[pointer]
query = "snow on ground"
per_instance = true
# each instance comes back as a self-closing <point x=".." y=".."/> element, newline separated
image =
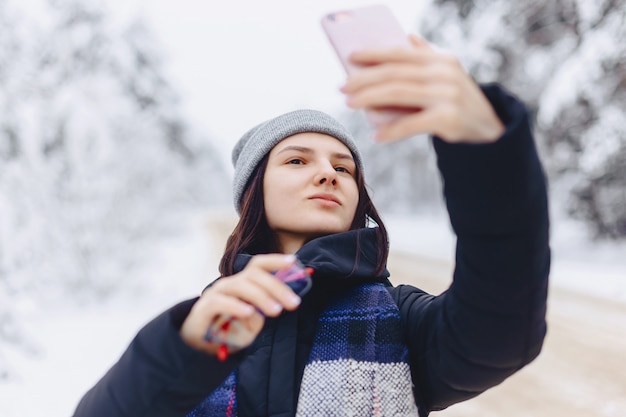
<point x="75" y="345"/>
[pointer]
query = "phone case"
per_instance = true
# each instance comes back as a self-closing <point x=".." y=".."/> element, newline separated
<point x="368" y="27"/>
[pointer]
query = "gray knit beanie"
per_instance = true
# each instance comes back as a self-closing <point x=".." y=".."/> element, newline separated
<point x="259" y="140"/>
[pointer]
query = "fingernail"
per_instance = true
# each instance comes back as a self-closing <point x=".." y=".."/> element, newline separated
<point x="294" y="300"/>
<point x="290" y="258"/>
<point x="276" y="308"/>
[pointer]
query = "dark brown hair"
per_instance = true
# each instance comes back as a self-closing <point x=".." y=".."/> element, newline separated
<point x="253" y="235"/>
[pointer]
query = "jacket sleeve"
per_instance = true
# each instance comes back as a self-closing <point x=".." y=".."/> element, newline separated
<point x="157" y="375"/>
<point x="491" y="321"/>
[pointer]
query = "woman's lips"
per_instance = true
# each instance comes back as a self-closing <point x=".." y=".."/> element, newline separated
<point x="327" y="200"/>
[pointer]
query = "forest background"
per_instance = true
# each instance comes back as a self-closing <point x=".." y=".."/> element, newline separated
<point x="114" y="143"/>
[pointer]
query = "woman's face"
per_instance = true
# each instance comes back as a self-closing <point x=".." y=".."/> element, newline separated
<point x="309" y="189"/>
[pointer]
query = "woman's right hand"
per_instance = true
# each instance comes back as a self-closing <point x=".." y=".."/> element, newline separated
<point x="248" y="296"/>
<point x="443" y="98"/>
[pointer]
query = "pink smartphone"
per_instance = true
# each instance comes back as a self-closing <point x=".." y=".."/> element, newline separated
<point x="368" y="27"/>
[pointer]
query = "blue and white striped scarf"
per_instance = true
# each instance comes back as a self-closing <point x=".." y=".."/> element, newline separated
<point x="358" y="364"/>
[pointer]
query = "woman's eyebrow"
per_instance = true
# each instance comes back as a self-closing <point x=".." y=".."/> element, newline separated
<point x="304" y="149"/>
<point x="296" y="148"/>
<point x="341" y="155"/>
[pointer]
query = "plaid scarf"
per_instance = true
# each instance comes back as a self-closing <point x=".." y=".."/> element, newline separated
<point x="358" y="365"/>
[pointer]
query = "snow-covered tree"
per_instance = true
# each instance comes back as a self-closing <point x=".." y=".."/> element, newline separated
<point x="96" y="159"/>
<point x="567" y="60"/>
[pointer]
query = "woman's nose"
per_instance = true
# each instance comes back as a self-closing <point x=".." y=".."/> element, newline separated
<point x="326" y="174"/>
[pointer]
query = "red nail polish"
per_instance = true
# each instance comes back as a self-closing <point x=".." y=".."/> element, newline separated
<point x="222" y="353"/>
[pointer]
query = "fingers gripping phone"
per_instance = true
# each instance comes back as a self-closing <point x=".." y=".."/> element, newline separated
<point x="368" y="27"/>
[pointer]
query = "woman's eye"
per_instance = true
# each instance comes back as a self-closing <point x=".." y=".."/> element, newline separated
<point x="295" y="161"/>
<point x="342" y="169"/>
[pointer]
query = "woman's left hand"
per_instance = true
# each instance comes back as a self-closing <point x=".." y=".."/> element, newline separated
<point x="446" y="101"/>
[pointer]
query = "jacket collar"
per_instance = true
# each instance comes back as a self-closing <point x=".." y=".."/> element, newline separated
<point x="348" y="256"/>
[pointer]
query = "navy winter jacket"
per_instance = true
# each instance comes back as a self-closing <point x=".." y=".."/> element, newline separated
<point x="486" y="326"/>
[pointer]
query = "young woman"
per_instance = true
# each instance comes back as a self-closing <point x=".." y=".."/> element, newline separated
<point x="356" y="345"/>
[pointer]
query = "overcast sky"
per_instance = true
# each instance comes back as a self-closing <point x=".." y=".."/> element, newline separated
<point x="240" y="62"/>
